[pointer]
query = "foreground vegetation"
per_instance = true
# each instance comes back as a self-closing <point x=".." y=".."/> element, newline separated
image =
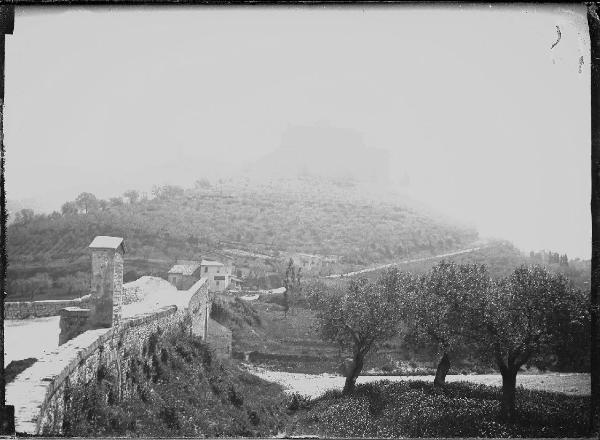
<point x="519" y="320"/>
<point x="418" y="409"/>
<point x="176" y="388"/>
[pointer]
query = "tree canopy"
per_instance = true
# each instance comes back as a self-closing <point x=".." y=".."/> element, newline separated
<point x="523" y="316"/>
<point x="359" y="315"/>
<point x="436" y="311"/>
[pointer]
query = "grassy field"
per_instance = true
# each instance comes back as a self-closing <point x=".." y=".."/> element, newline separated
<point x="416" y="409"/>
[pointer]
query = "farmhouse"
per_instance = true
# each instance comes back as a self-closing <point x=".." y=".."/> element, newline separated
<point x="184" y="274"/>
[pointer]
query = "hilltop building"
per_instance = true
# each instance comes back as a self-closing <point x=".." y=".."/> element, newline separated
<point x="184" y="274"/>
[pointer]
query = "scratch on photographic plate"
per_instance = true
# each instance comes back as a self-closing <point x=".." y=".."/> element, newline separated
<point x="559" y="37"/>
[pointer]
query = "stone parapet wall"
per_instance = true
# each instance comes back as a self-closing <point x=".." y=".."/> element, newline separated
<point x="40" y="309"/>
<point x="199" y="308"/>
<point x="38" y="393"/>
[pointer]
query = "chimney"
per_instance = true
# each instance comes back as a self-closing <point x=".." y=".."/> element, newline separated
<point x="107" y="281"/>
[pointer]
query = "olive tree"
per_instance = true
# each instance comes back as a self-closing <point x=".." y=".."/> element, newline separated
<point x="436" y="313"/>
<point x="132" y="195"/>
<point x="69" y="208"/>
<point x="359" y="316"/>
<point x="523" y="316"/>
<point x="87" y="202"/>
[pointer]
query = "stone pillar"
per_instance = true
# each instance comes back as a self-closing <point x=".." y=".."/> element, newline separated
<point x="107" y="281"/>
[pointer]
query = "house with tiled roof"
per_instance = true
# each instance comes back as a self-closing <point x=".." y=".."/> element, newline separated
<point x="184" y="274"/>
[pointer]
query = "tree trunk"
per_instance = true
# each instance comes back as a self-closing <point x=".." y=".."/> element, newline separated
<point x="442" y="370"/>
<point x="352" y="373"/>
<point x="509" y="387"/>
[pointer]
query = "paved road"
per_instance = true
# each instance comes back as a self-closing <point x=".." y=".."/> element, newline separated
<point x="415" y="260"/>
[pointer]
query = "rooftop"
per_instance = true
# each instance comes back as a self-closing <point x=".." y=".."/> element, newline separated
<point x="185" y="269"/>
<point x="211" y="263"/>
<point x="106" y="242"/>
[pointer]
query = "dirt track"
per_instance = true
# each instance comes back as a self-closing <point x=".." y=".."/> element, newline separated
<point x="415" y="260"/>
<point x="314" y="385"/>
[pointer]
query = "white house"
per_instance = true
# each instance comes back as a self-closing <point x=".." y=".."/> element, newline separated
<point x="218" y="275"/>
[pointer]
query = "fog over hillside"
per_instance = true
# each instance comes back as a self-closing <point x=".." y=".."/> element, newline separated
<point x="488" y="126"/>
<point x="325" y="151"/>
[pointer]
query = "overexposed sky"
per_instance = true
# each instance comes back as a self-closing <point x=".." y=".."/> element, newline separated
<point x="490" y="122"/>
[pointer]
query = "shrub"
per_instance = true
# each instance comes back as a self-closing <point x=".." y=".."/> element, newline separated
<point x="179" y="390"/>
<point x="298" y="401"/>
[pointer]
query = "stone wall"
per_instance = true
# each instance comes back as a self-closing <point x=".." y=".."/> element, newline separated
<point x="39" y="309"/>
<point x="38" y="393"/>
<point x="219" y="339"/>
<point x="199" y="308"/>
<point x="117" y="287"/>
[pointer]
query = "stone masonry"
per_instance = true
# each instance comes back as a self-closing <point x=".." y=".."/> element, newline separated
<point x="38" y="392"/>
<point x="40" y="309"/>
<point x="107" y="281"/>
<point x="219" y="339"/>
<point x="96" y="336"/>
<point x="199" y="308"/>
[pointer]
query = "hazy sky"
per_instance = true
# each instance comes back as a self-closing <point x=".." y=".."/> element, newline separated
<point x="491" y="124"/>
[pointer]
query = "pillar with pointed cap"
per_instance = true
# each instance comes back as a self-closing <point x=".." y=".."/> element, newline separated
<point x="107" y="281"/>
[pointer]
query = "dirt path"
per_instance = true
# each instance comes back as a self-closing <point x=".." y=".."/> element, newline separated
<point x="314" y="385"/>
<point x="416" y="260"/>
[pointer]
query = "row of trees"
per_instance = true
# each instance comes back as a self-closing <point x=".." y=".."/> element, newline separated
<point x="550" y="257"/>
<point x="510" y="322"/>
<point x="84" y="203"/>
<point x="87" y="202"/>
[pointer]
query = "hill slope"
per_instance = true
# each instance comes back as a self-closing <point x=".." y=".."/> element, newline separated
<point x="314" y="216"/>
